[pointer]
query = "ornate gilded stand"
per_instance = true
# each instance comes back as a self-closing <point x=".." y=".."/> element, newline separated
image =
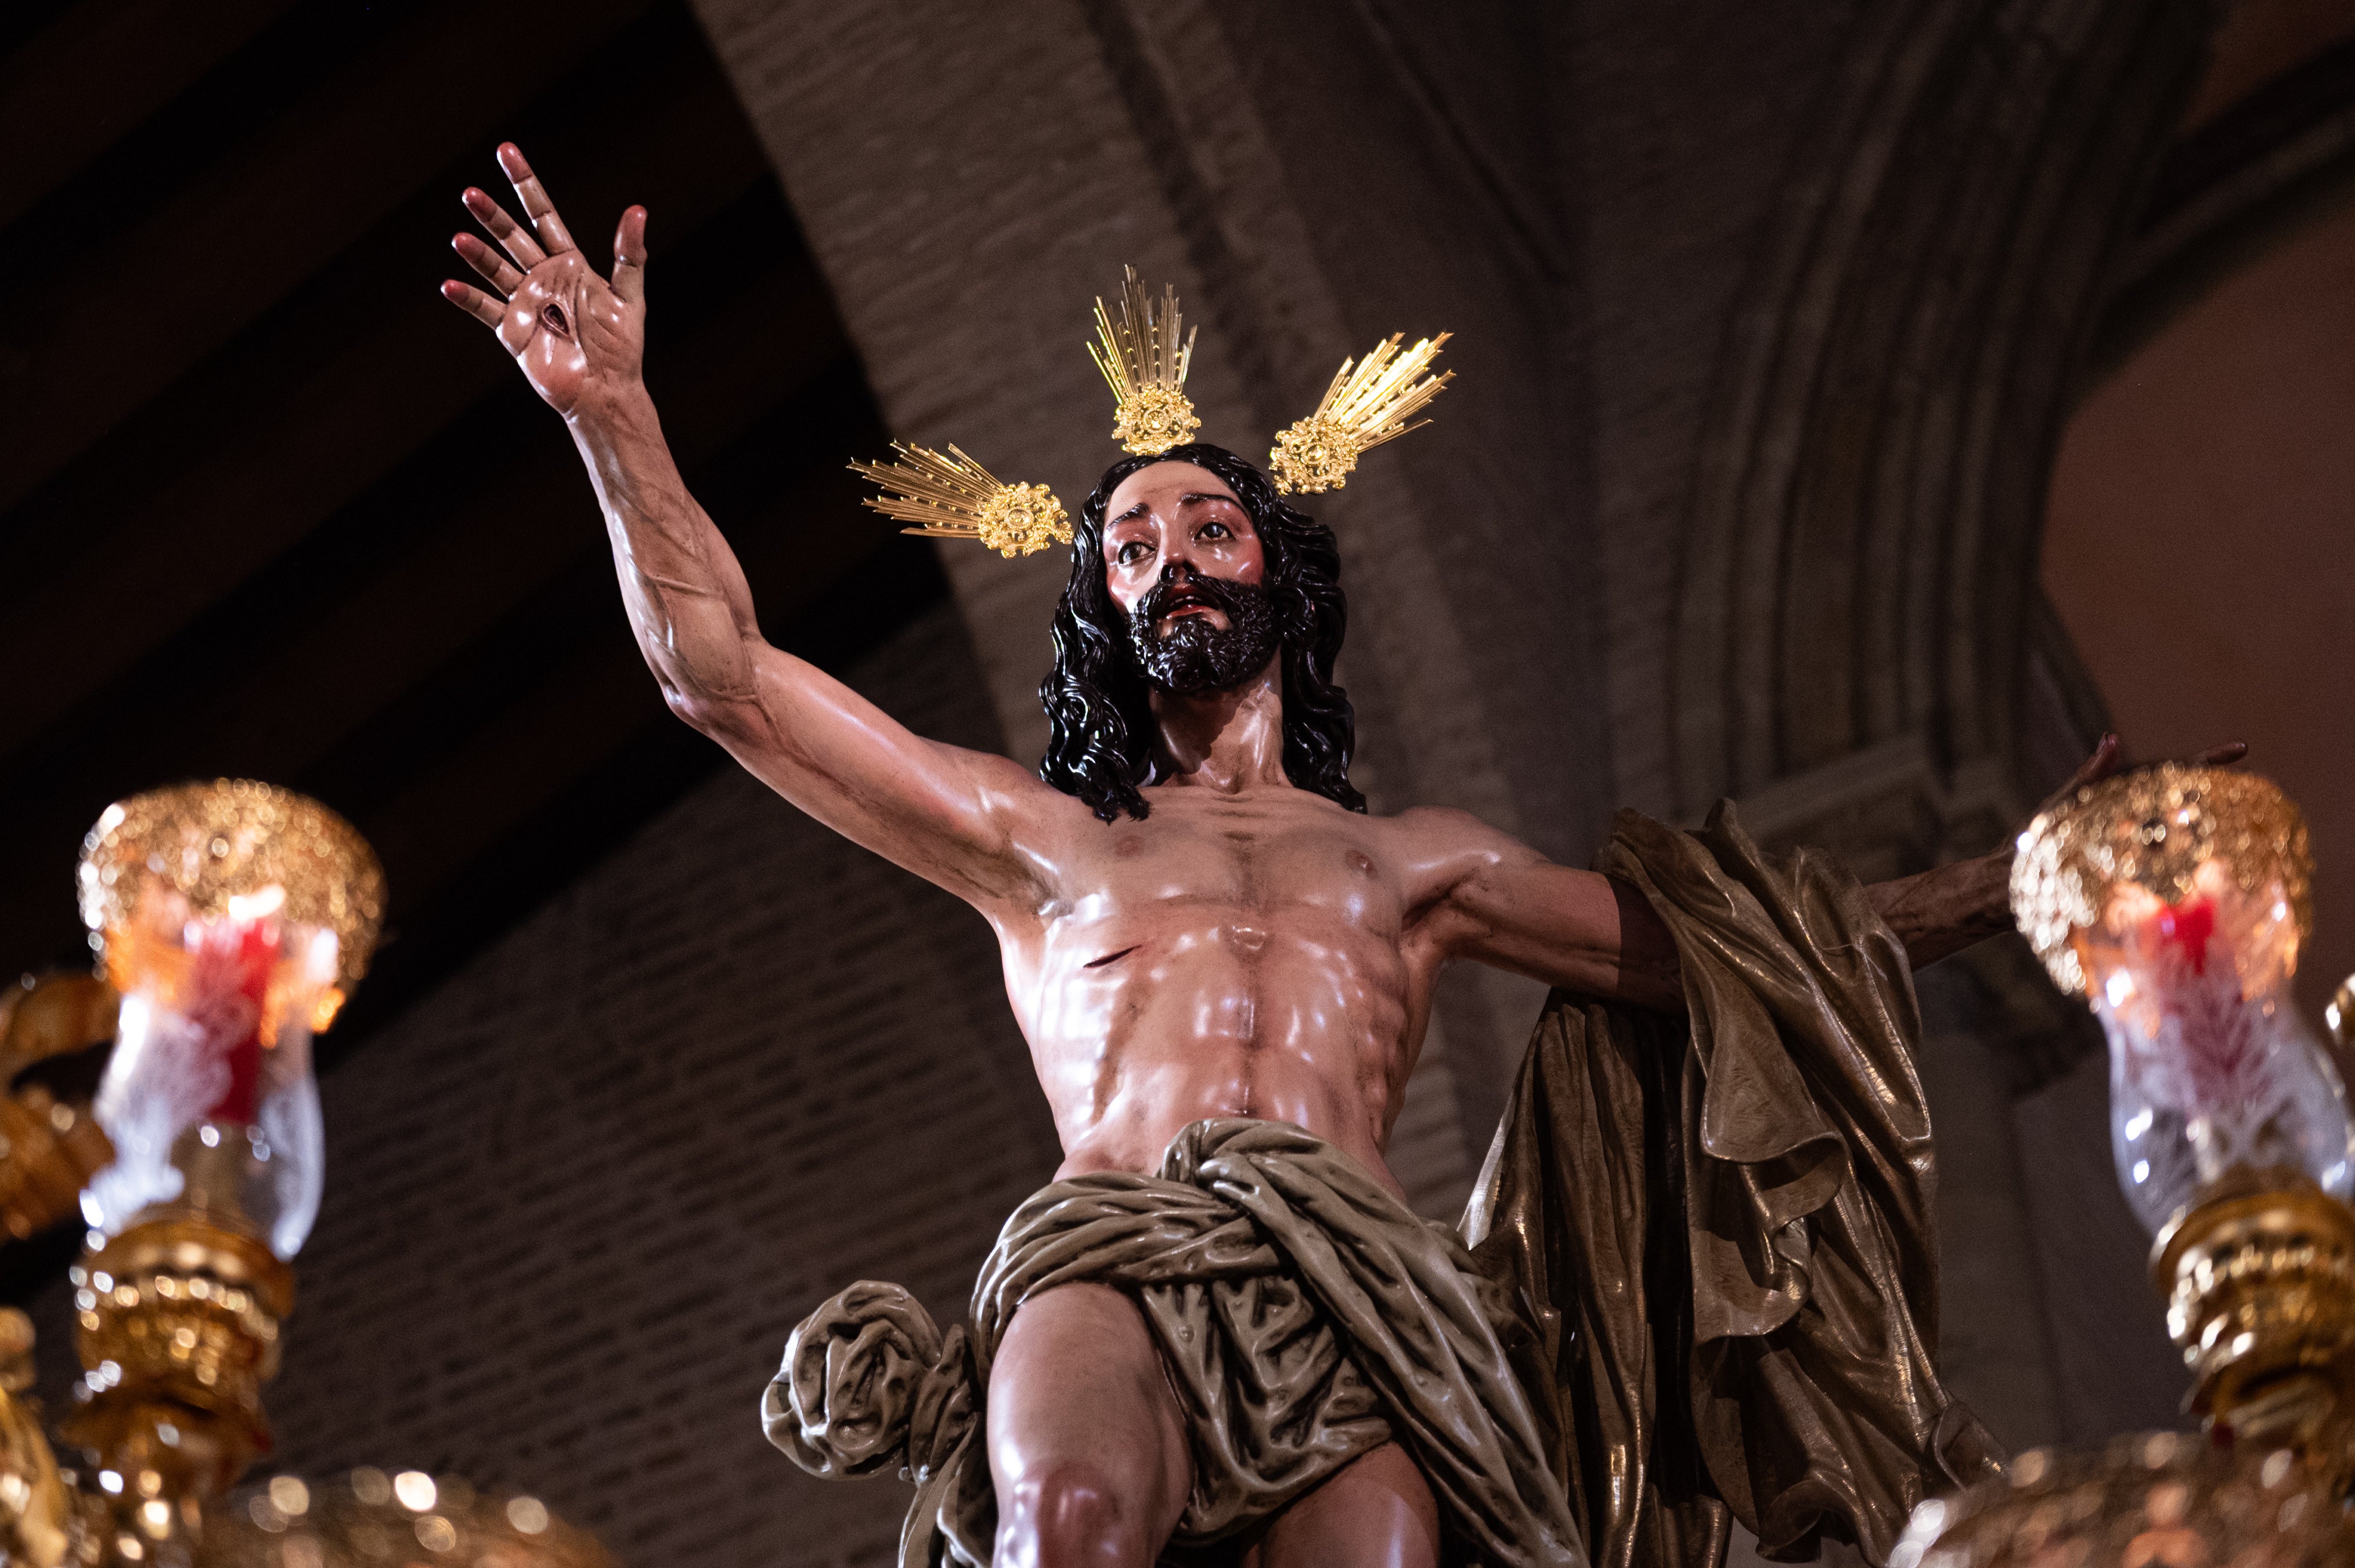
<point x="2176" y="901"/>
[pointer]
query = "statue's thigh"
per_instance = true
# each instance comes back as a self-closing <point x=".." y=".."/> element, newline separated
<point x="1375" y="1512"/>
<point x="1084" y="1432"/>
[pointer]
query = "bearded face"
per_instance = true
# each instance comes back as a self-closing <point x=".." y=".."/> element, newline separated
<point x="1190" y="655"/>
<point x="1195" y="524"/>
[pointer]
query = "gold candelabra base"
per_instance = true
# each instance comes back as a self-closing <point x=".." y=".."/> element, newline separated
<point x="2259" y="1281"/>
<point x="178" y="1323"/>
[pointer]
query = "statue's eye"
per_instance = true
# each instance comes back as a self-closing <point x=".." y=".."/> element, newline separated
<point x="1215" y="530"/>
<point x="1135" y="550"/>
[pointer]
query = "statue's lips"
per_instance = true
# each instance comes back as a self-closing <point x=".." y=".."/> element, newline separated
<point x="1184" y="605"/>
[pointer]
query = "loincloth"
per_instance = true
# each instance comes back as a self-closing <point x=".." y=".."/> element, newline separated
<point x="1306" y="1317"/>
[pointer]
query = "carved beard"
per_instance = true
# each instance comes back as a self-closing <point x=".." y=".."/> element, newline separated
<point x="1194" y="656"/>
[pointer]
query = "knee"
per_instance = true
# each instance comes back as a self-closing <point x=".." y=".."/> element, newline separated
<point x="1069" y="1516"/>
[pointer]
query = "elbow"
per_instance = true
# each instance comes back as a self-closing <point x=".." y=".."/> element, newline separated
<point x="724" y="719"/>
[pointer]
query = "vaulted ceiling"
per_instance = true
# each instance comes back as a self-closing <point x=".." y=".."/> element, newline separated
<point x="272" y="508"/>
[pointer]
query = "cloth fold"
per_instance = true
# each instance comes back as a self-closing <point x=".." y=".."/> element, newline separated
<point x="1306" y="1317"/>
<point x="1721" y="1225"/>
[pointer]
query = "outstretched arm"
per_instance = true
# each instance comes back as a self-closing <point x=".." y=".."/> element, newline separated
<point x="942" y="813"/>
<point x="1595" y="934"/>
<point x="1499" y="901"/>
<point x="1951" y="907"/>
<point x="1484" y="894"/>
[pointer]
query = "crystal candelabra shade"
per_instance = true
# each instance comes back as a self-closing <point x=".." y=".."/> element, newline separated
<point x="2176" y="899"/>
<point x="233" y="917"/>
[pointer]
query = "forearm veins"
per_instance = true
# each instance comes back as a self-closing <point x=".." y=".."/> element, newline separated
<point x="686" y="595"/>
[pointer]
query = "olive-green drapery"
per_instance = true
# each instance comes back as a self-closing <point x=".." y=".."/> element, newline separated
<point x="1723" y="1223"/>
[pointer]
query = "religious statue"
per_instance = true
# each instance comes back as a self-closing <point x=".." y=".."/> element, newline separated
<point x="1697" y="1282"/>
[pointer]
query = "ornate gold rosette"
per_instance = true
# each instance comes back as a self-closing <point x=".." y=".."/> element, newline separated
<point x="1144" y="364"/>
<point x="35" y="1514"/>
<point x="954" y="497"/>
<point x="230" y="839"/>
<point x="2153" y="828"/>
<point x="1369" y="402"/>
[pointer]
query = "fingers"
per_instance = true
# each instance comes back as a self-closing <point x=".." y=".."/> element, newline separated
<point x="493" y="266"/>
<point x="504" y="229"/>
<point x="2098" y="766"/>
<point x="630" y="256"/>
<point x="536" y="204"/>
<point x="2107" y="758"/>
<point x="475" y="303"/>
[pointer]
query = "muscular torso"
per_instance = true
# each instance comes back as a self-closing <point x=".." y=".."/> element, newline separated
<point x="1254" y="953"/>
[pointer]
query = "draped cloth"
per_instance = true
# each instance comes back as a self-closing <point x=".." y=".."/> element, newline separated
<point x="1723" y="1224"/>
<point x="1306" y="1316"/>
<point x="1697" y="1282"/>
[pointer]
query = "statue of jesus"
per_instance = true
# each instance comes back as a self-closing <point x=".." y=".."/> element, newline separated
<point x="1201" y="925"/>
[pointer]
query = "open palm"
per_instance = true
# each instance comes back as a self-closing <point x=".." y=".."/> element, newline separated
<point x="578" y="339"/>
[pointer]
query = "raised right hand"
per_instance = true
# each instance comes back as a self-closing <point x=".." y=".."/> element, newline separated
<point x="578" y="339"/>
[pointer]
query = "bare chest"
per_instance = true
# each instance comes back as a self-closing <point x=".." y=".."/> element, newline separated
<point x="1228" y="956"/>
<point x="1280" y="867"/>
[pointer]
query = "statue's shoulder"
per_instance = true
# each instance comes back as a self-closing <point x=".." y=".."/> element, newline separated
<point x="1442" y="840"/>
<point x="1440" y="822"/>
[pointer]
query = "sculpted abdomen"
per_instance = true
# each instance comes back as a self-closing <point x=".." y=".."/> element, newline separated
<point x="1295" y="1019"/>
<point x="1181" y="983"/>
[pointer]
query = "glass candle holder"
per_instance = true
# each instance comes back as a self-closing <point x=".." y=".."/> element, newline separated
<point x="233" y="917"/>
<point x="2175" y="900"/>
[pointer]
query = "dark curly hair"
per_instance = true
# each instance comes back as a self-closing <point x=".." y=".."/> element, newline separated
<point x="1099" y="709"/>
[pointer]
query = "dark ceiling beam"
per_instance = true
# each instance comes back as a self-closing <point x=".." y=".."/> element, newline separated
<point x="479" y="532"/>
<point x="118" y="327"/>
<point x="300" y="431"/>
<point x="470" y="563"/>
<point x="96" y="72"/>
<point x="479" y="522"/>
<point x="2266" y="169"/>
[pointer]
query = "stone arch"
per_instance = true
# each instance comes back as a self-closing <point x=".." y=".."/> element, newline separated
<point x="1860" y="576"/>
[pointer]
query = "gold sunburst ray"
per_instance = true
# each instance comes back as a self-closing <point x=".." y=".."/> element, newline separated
<point x="950" y="497"/>
<point x="1370" y="400"/>
<point x="1145" y="362"/>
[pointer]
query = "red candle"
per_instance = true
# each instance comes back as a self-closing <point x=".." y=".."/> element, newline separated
<point x="228" y="991"/>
